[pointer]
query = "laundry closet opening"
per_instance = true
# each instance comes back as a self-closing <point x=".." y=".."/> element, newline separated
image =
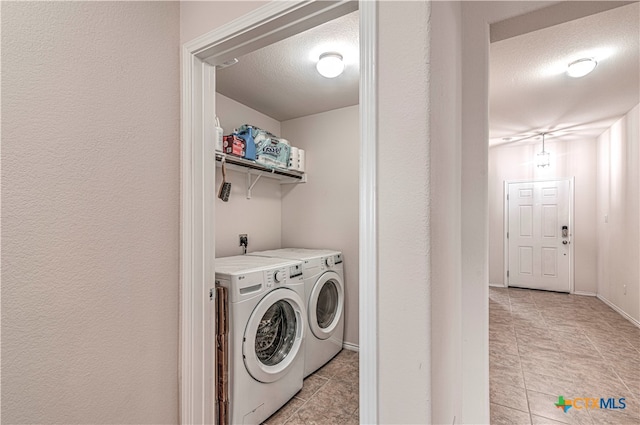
<point x="287" y="176"/>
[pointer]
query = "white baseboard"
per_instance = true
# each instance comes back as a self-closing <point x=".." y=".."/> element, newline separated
<point x="496" y="285"/>
<point x="350" y="346"/>
<point x="619" y="310"/>
<point x="585" y="293"/>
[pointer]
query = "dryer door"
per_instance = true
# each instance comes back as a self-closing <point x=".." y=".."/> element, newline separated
<point x="326" y="305"/>
<point x="273" y="337"/>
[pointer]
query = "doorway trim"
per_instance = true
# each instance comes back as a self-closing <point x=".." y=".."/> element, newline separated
<point x="265" y="25"/>
<point x="572" y="225"/>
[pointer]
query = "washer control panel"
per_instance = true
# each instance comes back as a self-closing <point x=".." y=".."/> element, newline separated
<point x="279" y="276"/>
<point x="275" y="277"/>
<point x="330" y="261"/>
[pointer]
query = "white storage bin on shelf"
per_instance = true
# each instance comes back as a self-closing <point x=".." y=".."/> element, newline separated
<point x="252" y="168"/>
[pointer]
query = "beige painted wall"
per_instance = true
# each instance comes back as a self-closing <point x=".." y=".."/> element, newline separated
<point x="200" y="17"/>
<point x="90" y="212"/>
<point x="233" y="114"/>
<point x="258" y="217"/>
<point x="445" y="128"/>
<point x="618" y="200"/>
<point x="575" y="158"/>
<point x="404" y="238"/>
<point x="323" y="213"/>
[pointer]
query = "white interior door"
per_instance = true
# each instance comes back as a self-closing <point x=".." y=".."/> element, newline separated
<point x="539" y="235"/>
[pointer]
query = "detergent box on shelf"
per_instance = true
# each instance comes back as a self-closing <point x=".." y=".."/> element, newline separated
<point x="233" y="145"/>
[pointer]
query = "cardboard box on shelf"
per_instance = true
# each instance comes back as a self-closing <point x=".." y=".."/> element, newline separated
<point x="234" y="145"/>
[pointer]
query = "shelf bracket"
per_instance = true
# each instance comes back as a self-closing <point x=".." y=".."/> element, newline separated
<point x="250" y="183"/>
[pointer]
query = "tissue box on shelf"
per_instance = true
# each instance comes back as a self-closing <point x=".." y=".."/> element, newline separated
<point x="273" y="153"/>
<point x="234" y="145"/>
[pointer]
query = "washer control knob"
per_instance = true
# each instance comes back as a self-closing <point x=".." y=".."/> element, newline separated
<point x="278" y="276"/>
<point x="330" y="262"/>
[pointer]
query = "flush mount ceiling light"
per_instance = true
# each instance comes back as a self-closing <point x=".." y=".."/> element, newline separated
<point x="581" y="67"/>
<point x="330" y="65"/>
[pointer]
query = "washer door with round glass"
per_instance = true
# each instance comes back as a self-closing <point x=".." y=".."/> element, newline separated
<point x="326" y="304"/>
<point x="273" y="337"/>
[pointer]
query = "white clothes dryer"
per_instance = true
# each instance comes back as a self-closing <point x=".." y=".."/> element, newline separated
<point x="265" y="317"/>
<point x="324" y="299"/>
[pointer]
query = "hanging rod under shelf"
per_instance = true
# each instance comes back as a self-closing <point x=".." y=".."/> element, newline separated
<point x="280" y="173"/>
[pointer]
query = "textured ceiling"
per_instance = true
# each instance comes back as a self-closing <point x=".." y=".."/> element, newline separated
<point x="529" y="90"/>
<point x="281" y="80"/>
<point x="531" y="93"/>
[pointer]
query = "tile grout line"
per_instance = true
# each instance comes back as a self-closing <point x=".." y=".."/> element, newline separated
<point x="580" y="317"/>
<point x="305" y="401"/>
<point x="524" y="382"/>
<point x="313" y="396"/>
<point x="608" y="363"/>
<point x="538" y="307"/>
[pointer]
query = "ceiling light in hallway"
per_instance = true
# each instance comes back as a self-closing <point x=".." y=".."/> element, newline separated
<point x="542" y="159"/>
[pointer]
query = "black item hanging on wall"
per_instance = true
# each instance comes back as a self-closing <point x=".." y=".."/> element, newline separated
<point x="225" y="187"/>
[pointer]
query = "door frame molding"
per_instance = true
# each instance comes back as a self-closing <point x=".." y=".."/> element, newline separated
<point x="263" y="26"/>
<point x="505" y="220"/>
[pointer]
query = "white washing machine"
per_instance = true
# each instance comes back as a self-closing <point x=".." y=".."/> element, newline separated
<point x="261" y="365"/>
<point x="324" y="299"/>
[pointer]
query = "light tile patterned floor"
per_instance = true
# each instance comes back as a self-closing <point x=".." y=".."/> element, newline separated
<point x="329" y="396"/>
<point x="542" y="345"/>
<point x="545" y="344"/>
